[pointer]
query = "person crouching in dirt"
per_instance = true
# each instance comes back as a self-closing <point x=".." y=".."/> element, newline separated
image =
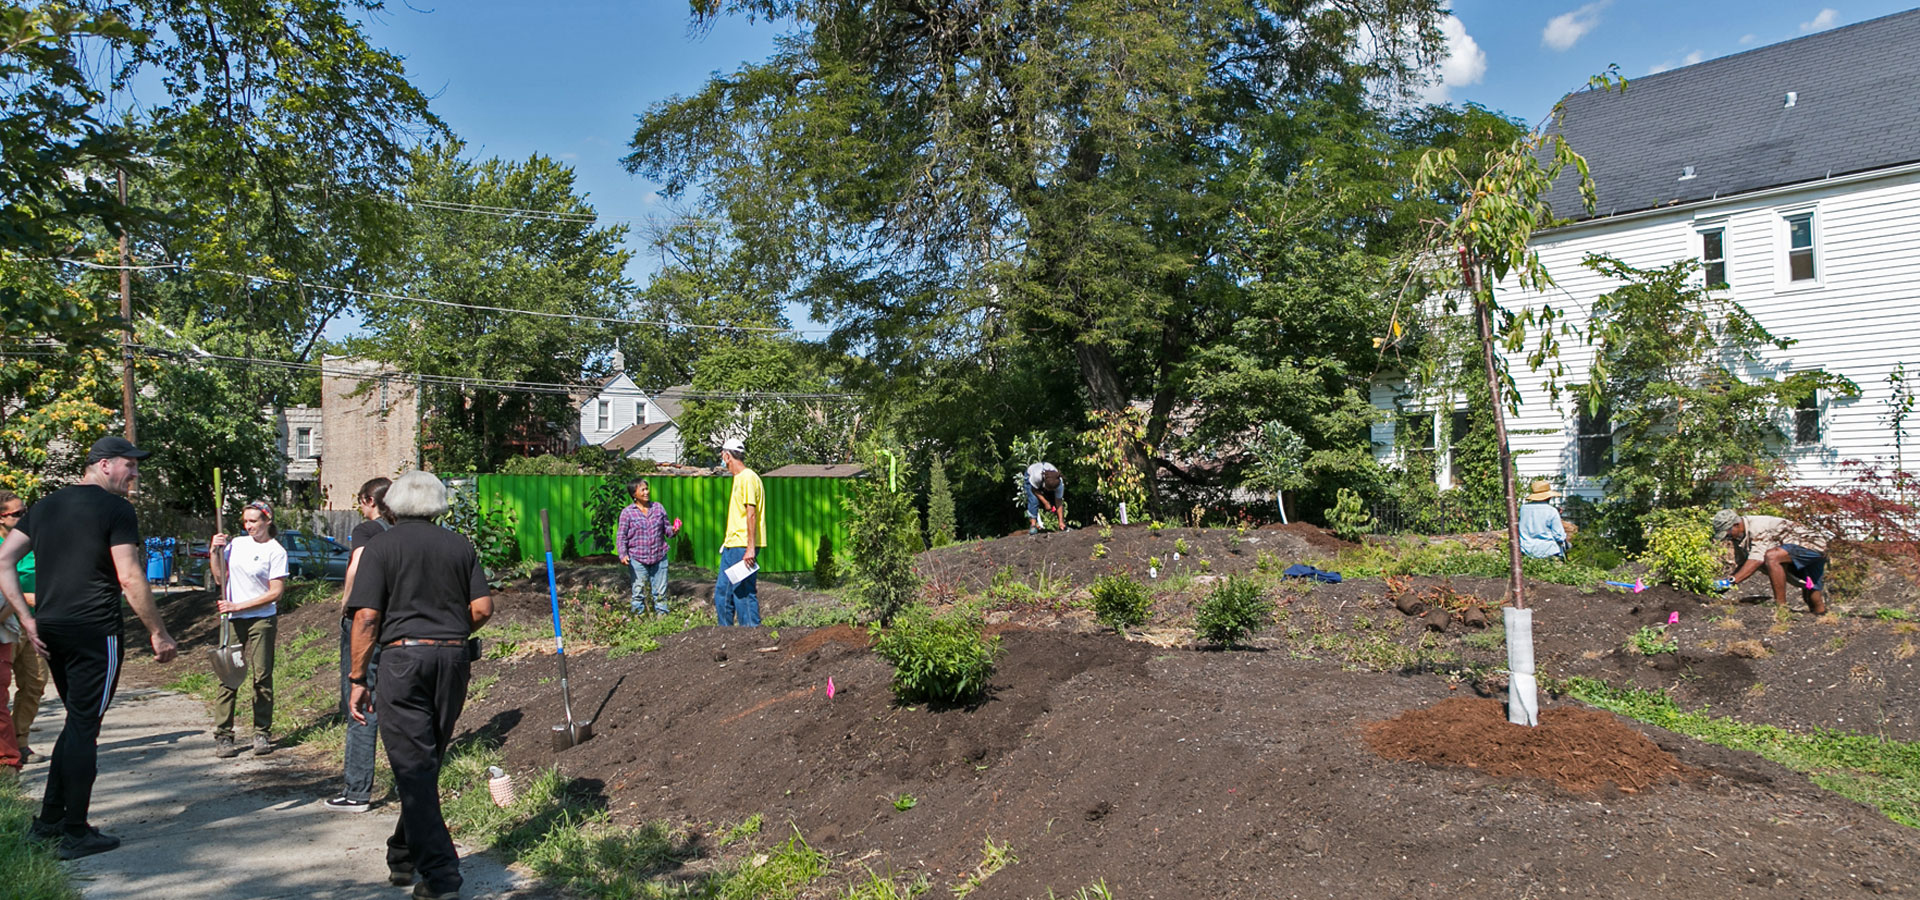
<point x="1784" y="548"/>
<point x="419" y="595"/>
<point x="1044" y="488"/>
<point x="1542" y="534"/>
<point x="642" y="539"/>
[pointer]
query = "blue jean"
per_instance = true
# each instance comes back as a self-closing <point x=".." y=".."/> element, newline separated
<point x="730" y="599"/>
<point x="649" y="578"/>
<point x="361" y="739"/>
<point x="1033" y="501"/>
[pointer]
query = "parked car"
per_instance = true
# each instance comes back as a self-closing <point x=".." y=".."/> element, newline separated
<point x="308" y="556"/>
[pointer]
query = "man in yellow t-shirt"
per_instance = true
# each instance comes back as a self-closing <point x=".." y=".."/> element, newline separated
<point x="745" y="508"/>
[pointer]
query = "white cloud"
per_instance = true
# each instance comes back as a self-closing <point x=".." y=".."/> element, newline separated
<point x="1464" y="62"/>
<point x="1825" y="20"/>
<point x="1566" y="29"/>
<point x="1746" y="39"/>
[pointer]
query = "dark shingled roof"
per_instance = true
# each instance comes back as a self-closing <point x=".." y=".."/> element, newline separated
<point x="1857" y="108"/>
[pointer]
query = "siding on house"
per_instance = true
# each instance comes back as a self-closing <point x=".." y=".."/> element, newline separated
<point x="626" y="405"/>
<point x="1859" y="319"/>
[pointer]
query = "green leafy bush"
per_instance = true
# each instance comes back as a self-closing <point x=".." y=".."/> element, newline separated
<point x="1680" y="549"/>
<point x="544" y="464"/>
<point x="885" y="533"/>
<point x="1120" y="602"/>
<point x="494" y="534"/>
<point x="941" y="660"/>
<point x="1236" y="608"/>
<point x="826" y="572"/>
<point x="1347" y="519"/>
<point x="1652" y="640"/>
<point x="940" y="523"/>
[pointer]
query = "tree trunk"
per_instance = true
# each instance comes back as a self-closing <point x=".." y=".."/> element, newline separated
<point x="1516" y="582"/>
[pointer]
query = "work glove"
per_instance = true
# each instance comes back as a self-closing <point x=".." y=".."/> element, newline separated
<point x="1723" y="585"/>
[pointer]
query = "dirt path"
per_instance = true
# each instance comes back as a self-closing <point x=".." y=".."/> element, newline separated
<point x="253" y="827"/>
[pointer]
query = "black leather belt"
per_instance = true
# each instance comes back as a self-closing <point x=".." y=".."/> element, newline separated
<point x="428" y="642"/>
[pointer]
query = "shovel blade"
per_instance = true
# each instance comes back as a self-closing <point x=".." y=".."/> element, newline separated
<point x="228" y="666"/>
<point x="571" y="733"/>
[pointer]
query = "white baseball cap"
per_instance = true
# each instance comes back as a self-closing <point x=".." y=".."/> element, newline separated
<point x="734" y="445"/>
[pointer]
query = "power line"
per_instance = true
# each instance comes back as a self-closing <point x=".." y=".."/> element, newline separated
<point x="384" y="295"/>
<point x="587" y="218"/>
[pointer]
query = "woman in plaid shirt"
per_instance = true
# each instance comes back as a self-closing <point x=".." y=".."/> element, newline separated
<point x="642" y="543"/>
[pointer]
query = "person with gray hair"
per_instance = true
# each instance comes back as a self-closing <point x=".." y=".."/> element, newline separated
<point x="1784" y="548"/>
<point x="419" y="595"/>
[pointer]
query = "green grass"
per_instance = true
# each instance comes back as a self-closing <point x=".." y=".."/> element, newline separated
<point x="1448" y="559"/>
<point x="993" y="858"/>
<point x="1881" y="773"/>
<point x="28" y="868"/>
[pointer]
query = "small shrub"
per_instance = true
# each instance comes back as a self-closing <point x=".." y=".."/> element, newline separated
<point x="940" y="522"/>
<point x="826" y="572"/>
<point x="939" y="660"/>
<point x="1120" y="602"/>
<point x="904" y="802"/>
<point x="1233" y="610"/>
<point x="1099" y="551"/>
<point x="1180" y="546"/>
<point x="683" y="549"/>
<point x="1347" y="519"/>
<point x="1680" y="549"/>
<point x="886" y="534"/>
<point x="1652" y="641"/>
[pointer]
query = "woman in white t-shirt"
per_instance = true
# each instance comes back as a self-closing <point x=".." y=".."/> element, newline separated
<point x="252" y="572"/>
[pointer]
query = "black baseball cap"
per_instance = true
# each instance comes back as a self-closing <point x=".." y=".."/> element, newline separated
<point x="110" y="447"/>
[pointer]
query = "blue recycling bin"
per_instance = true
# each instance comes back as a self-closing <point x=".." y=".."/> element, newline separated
<point x="159" y="558"/>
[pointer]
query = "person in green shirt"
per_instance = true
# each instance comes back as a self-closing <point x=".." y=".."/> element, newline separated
<point x="19" y="663"/>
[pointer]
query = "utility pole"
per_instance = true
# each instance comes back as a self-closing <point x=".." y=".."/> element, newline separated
<point x="126" y="317"/>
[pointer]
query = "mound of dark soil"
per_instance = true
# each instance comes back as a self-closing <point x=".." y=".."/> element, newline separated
<point x="1585" y="751"/>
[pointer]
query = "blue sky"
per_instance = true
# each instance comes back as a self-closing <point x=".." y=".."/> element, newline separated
<point x="568" y="77"/>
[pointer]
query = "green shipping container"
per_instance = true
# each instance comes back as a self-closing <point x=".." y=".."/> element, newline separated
<point x="799" y="511"/>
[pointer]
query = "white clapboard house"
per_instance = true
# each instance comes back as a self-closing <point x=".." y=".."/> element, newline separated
<point x="1792" y="173"/>
<point x="622" y="418"/>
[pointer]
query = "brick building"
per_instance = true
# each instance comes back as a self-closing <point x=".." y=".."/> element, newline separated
<point x="370" y="418"/>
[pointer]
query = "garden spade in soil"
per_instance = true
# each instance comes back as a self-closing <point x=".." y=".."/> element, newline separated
<point x="229" y="664"/>
<point x="574" y="731"/>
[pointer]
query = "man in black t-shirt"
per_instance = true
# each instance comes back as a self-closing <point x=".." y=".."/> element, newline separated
<point x="419" y="593"/>
<point x="86" y="540"/>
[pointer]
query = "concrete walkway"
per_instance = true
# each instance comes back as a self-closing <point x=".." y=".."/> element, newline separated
<point x="253" y="827"/>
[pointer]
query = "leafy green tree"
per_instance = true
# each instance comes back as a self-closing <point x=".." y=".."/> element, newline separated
<point x="536" y="273"/>
<point x="1280" y="458"/>
<point x="1033" y="185"/>
<point x="1668" y="357"/>
<point x="941" y="529"/>
<point x="884" y="535"/>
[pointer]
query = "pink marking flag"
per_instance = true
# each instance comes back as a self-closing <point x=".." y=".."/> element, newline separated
<point x="1673" y="618"/>
<point x="829" y="687"/>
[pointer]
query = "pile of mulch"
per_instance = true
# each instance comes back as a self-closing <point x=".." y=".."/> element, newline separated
<point x="1586" y="752"/>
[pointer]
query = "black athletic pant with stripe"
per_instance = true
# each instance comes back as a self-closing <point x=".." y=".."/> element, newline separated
<point x="84" y="663"/>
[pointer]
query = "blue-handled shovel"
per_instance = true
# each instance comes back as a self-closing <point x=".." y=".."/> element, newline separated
<point x="573" y="732"/>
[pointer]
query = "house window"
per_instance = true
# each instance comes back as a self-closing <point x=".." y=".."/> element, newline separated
<point x="639" y="412"/>
<point x="303" y="443"/>
<point x="1414" y="432"/>
<point x="1713" y="257"/>
<point x="1800" y="257"/>
<point x="603" y="419"/>
<point x="1456" y="434"/>
<point x="1593" y="440"/>
<point x="1806" y="420"/>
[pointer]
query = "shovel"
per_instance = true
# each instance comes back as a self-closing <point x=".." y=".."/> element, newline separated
<point x="229" y="663"/>
<point x="574" y="731"/>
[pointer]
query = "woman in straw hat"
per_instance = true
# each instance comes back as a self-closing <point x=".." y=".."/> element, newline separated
<point x="1541" y="532"/>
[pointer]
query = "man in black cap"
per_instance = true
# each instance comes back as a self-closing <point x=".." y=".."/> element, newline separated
<point x="87" y="543"/>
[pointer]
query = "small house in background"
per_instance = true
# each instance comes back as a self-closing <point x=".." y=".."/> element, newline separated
<point x="297" y="433"/>
<point x="622" y="418"/>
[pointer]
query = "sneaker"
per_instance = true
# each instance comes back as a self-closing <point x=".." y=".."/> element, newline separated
<point x="344" y="803"/>
<point x="42" y="830"/>
<point x="225" y="748"/>
<point x="422" y="892"/>
<point x="76" y="846"/>
<point x="262" y="745"/>
<point x="400" y="875"/>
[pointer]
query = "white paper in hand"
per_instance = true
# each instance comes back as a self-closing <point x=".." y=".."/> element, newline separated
<point x="740" y="571"/>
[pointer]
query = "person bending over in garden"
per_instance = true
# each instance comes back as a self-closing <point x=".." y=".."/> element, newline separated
<point x="642" y="540"/>
<point x="1044" y="488"/>
<point x="252" y="573"/>
<point x="1784" y="548"/>
<point x="1542" y="534"/>
<point x="363" y="738"/>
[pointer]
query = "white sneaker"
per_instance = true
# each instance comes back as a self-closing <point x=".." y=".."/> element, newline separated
<point x="343" y="804"/>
